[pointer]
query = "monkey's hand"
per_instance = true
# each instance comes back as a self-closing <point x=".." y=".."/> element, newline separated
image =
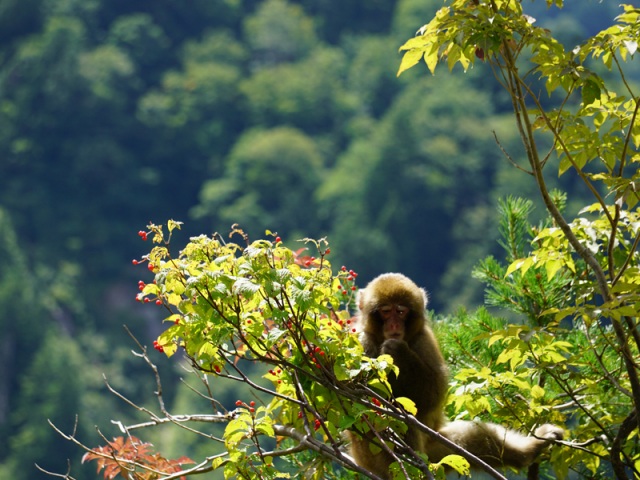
<point x="549" y="432"/>
<point x="394" y="346"/>
<point x="403" y="356"/>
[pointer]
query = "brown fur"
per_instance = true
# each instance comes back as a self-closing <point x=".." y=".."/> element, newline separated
<point x="423" y="379"/>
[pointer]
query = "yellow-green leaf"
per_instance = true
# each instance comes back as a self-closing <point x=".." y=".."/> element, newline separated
<point x="537" y="392"/>
<point x="458" y="463"/>
<point x="407" y="404"/>
<point x="410" y="59"/>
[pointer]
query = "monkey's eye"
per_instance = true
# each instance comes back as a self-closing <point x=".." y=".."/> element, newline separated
<point x="387" y="311"/>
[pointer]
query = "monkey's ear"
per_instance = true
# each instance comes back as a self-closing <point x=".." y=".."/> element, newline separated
<point x="360" y="298"/>
<point x="425" y="296"/>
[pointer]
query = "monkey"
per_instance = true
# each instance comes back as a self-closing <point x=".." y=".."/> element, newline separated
<point x="392" y="319"/>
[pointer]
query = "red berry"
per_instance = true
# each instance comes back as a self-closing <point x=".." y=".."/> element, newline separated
<point x="151" y="266"/>
<point x="343" y="268"/>
<point x="278" y="240"/>
<point x="134" y="261"/>
<point x="177" y="322"/>
<point x="252" y="403"/>
<point x="327" y="251"/>
<point x="316" y="424"/>
<point x="307" y="263"/>
<point x="238" y="403"/>
<point x="217" y="369"/>
<point x="252" y="409"/>
<point x="354" y="288"/>
<point x="146" y="300"/>
<point x="159" y="302"/>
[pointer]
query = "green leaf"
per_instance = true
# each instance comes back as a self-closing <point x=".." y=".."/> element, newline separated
<point x="235" y="432"/>
<point x="521" y="264"/>
<point x="590" y="92"/>
<point x="410" y="59"/>
<point x="407" y="404"/>
<point x="245" y="287"/>
<point x="172" y="224"/>
<point x="552" y="266"/>
<point x="459" y="464"/>
<point x="537" y="392"/>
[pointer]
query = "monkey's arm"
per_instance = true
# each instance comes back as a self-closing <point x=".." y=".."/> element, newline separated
<point x="422" y="376"/>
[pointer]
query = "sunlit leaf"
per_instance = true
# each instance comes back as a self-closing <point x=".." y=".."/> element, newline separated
<point x="459" y="464"/>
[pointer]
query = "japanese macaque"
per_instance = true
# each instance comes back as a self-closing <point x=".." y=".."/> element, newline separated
<point x="393" y="321"/>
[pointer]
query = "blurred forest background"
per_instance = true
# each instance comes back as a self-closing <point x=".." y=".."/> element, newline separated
<point x="276" y="114"/>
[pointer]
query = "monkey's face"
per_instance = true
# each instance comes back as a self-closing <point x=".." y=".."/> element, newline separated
<point x="393" y="318"/>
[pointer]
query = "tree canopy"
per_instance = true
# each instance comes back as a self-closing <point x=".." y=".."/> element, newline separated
<point x="288" y="115"/>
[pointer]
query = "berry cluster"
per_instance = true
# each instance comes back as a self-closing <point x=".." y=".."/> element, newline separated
<point x="158" y="347"/>
<point x="251" y="406"/>
<point x="140" y="297"/>
<point x="144" y="236"/>
<point x="314" y="354"/>
<point x="276" y="373"/>
<point x="349" y="281"/>
<point x="348" y="323"/>
<point x="316" y="423"/>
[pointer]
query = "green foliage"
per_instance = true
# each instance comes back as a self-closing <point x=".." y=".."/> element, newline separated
<point x="263" y="303"/>
<point x="269" y="172"/>
<point x="285" y="94"/>
<point x="111" y="112"/>
<point x="576" y="282"/>
<point x="539" y="370"/>
<point x="406" y="172"/>
<point x="525" y="287"/>
<point x="50" y="390"/>
<point x="142" y="38"/>
<point x="279" y="32"/>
